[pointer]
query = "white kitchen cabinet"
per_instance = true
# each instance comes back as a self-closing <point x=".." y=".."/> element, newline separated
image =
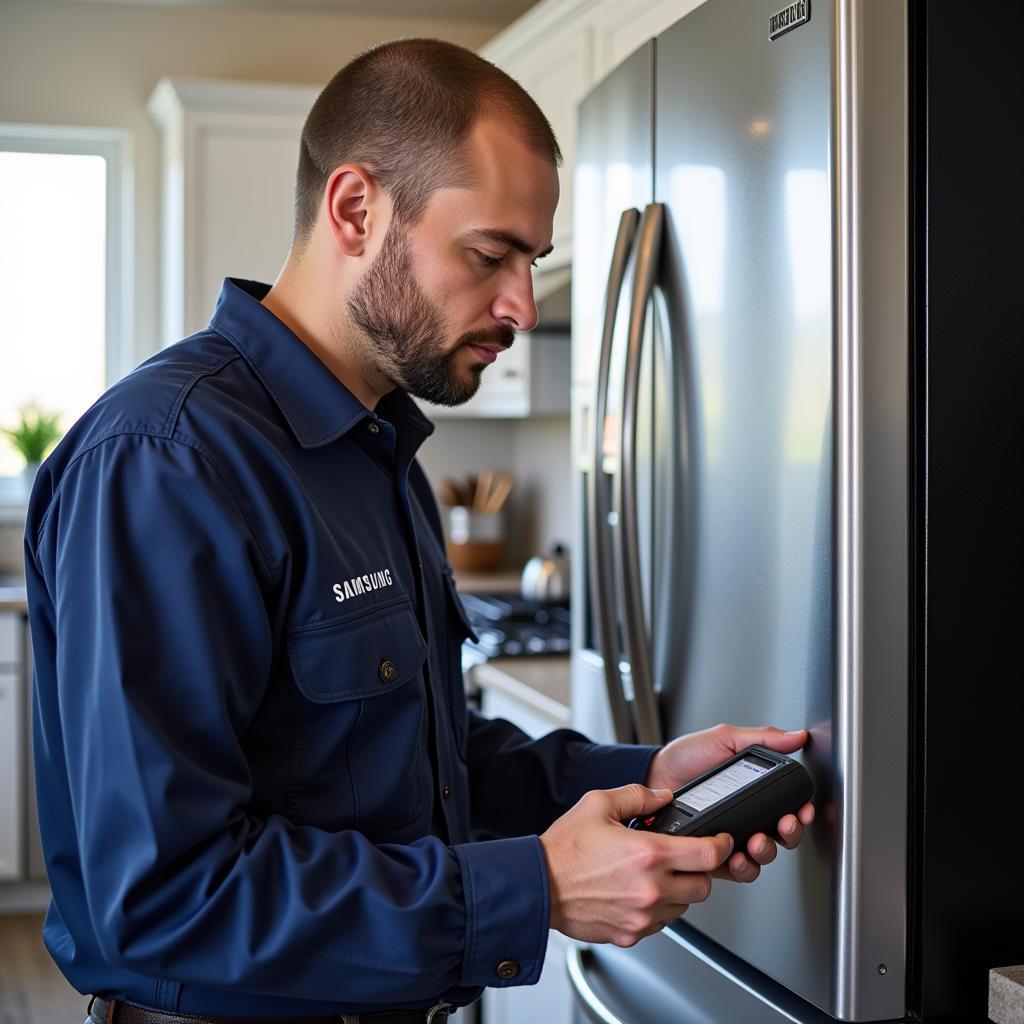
<point x="10" y="655"/>
<point x="529" y="379"/>
<point x="550" y="53"/>
<point x="11" y="777"/>
<point x="230" y="152"/>
<point x="12" y="773"/>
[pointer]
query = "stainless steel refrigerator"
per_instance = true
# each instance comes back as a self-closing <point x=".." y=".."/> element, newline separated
<point x="750" y="432"/>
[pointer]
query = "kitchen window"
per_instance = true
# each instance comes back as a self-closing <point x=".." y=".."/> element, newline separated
<point x="64" y="256"/>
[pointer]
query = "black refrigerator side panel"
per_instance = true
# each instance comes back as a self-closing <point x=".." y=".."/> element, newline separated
<point x="968" y="372"/>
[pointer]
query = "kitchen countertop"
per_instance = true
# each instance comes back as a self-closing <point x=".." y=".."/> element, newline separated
<point x="12" y="593"/>
<point x="541" y="683"/>
<point x="504" y="581"/>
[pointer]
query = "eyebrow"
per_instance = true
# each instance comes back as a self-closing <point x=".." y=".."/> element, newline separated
<point x="507" y="238"/>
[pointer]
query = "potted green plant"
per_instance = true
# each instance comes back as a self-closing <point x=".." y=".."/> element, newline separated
<point x="33" y="437"/>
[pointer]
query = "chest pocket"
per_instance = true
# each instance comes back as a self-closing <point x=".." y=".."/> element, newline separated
<point x="359" y="721"/>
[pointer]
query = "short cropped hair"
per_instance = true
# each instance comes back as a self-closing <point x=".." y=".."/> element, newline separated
<point x="404" y="110"/>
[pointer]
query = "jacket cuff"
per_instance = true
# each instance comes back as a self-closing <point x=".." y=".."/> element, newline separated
<point x="508" y="909"/>
<point x="606" y="766"/>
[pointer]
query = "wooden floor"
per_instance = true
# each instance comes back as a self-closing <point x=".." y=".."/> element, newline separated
<point x="32" y="990"/>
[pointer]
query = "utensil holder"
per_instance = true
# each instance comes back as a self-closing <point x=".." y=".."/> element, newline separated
<point x="476" y="540"/>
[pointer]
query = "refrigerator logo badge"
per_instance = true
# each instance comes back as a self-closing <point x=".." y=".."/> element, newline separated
<point x="789" y="18"/>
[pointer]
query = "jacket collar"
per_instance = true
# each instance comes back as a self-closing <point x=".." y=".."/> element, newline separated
<point x="316" y="405"/>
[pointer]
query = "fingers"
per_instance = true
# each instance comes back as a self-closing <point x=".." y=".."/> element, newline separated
<point x="790" y="831"/>
<point x="776" y="739"/>
<point x="658" y="902"/>
<point x="689" y="853"/>
<point x="676" y="911"/>
<point x="739" y="868"/>
<point x="631" y="801"/>
<point x="737" y="737"/>
<point x="762" y="849"/>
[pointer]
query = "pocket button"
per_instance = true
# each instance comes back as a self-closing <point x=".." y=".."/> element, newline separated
<point x="387" y="671"/>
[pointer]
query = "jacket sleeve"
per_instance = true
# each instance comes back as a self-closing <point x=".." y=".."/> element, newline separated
<point x="163" y="603"/>
<point x="520" y="785"/>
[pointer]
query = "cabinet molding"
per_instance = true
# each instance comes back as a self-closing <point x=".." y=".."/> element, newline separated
<point x="220" y="217"/>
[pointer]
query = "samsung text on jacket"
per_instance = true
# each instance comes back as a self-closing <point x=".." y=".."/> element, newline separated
<point x="362" y="584"/>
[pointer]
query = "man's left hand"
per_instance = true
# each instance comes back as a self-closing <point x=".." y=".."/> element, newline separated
<point x="689" y="756"/>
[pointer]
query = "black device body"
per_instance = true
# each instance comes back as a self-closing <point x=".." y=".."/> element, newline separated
<point x="744" y="795"/>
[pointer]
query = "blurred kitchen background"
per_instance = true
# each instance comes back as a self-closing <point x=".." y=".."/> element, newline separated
<point x="147" y="150"/>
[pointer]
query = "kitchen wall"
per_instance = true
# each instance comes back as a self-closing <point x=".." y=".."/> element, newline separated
<point x="12" y="531"/>
<point x="95" y="64"/>
<point x="536" y="450"/>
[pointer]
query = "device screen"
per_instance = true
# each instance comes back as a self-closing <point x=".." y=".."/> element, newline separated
<point x="739" y="774"/>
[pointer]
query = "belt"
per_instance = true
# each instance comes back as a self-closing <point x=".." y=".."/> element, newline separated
<point x="103" y="1011"/>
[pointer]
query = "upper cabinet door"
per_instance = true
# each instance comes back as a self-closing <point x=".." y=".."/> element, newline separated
<point x="554" y="64"/>
<point x="230" y="152"/>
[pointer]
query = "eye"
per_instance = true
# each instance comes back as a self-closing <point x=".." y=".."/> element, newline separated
<point x="488" y="261"/>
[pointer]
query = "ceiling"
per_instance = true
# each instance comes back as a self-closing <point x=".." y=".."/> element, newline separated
<point x="477" y="10"/>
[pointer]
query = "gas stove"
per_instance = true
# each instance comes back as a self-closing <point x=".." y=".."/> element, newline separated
<point x="511" y="626"/>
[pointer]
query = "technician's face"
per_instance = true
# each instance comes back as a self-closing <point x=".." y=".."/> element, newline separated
<point x="444" y="297"/>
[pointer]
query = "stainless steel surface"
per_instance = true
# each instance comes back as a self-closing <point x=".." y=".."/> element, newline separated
<point x="777" y="586"/>
<point x="547" y="577"/>
<point x="614" y="172"/>
<point x="872" y="641"/>
<point x="743" y="165"/>
<point x="586" y="997"/>
<point x="648" y="255"/>
<point x="599" y="545"/>
<point x="728" y="981"/>
<point x="678" y="978"/>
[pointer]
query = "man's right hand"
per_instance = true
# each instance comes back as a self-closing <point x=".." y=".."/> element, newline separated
<point x="610" y="883"/>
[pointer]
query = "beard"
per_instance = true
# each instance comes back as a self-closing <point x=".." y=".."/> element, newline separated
<point x="407" y="331"/>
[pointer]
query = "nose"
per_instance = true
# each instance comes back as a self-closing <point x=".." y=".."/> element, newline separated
<point x="514" y="305"/>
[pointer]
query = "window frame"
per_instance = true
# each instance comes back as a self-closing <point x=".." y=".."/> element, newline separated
<point x="114" y="146"/>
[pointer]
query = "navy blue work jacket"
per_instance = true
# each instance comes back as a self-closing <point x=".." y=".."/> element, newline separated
<point x="260" y="792"/>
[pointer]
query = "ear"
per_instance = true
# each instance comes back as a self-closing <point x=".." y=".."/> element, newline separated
<point x="354" y="205"/>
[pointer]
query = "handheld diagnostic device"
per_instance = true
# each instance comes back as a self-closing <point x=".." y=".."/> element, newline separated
<point x="745" y="795"/>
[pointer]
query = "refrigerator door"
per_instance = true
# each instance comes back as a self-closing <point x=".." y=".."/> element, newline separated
<point x="744" y="167"/>
<point x="777" y="575"/>
<point x="746" y="634"/>
<point x="614" y="175"/>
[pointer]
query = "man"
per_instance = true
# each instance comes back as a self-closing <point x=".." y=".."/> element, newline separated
<point x="260" y="792"/>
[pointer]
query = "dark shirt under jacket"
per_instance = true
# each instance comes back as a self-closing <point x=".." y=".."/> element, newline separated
<point x="260" y="793"/>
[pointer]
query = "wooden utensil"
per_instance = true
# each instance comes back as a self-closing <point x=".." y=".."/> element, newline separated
<point x="483" y="490"/>
<point x="499" y="493"/>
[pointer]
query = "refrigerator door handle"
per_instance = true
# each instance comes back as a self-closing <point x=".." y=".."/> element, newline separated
<point x="645" y="707"/>
<point x="586" y="998"/>
<point x="602" y="577"/>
